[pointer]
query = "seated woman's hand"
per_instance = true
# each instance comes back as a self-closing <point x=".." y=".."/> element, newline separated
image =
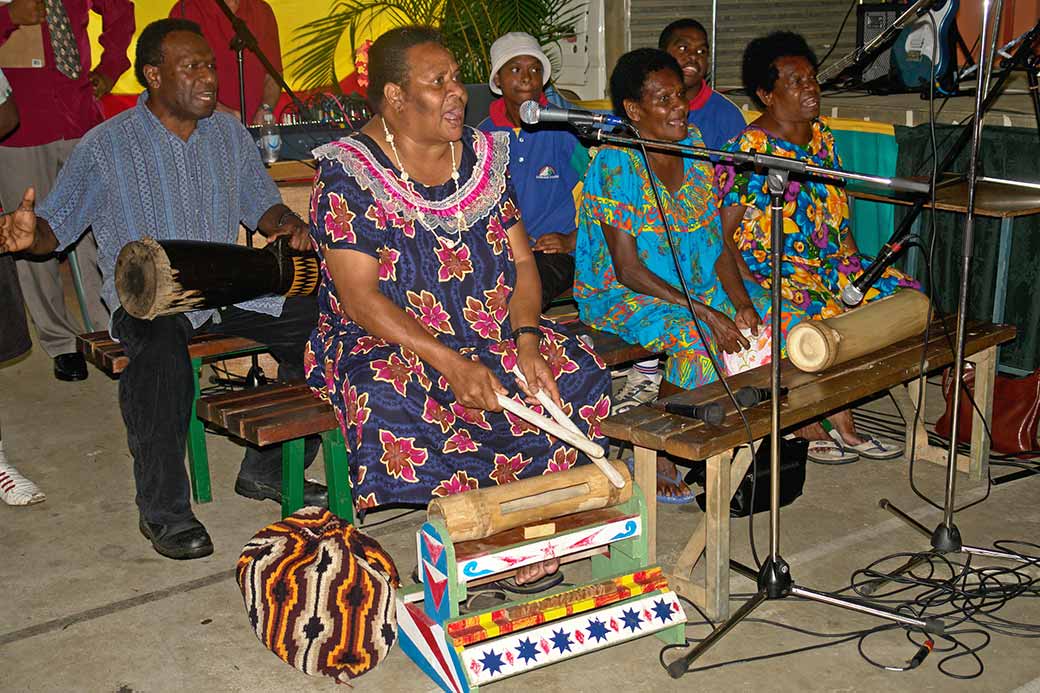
<point x="556" y="243"/>
<point x="536" y="371"/>
<point x="727" y="334"/>
<point x="474" y="385"/>
<point x="748" y="318"/>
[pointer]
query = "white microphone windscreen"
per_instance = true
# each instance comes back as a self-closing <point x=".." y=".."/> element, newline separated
<point x="529" y="111"/>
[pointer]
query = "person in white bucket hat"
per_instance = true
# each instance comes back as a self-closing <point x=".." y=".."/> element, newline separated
<point x="514" y="45"/>
<point x="546" y="164"/>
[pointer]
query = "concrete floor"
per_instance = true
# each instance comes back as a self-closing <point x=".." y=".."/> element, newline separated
<point x="89" y="606"/>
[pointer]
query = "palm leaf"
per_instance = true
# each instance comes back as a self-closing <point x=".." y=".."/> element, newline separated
<point x="469" y="28"/>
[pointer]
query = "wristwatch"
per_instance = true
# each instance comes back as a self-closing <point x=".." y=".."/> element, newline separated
<point x="527" y="329"/>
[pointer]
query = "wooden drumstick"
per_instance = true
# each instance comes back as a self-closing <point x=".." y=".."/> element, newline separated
<point x="561" y="417"/>
<point x="551" y="427"/>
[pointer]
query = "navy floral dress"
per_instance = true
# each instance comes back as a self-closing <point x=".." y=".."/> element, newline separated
<point x="408" y="439"/>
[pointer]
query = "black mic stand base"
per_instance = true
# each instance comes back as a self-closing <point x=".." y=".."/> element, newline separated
<point x="944" y="539"/>
<point x="774" y="582"/>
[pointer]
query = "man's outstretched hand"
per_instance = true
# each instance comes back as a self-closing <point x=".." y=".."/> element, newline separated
<point x="18" y="228"/>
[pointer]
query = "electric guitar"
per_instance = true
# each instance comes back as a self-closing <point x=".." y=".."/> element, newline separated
<point x="862" y="53"/>
<point x="920" y="48"/>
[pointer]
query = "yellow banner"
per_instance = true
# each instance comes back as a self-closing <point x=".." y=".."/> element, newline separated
<point x="290" y="14"/>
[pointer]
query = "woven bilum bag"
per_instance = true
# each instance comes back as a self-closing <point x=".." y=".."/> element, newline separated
<point x="320" y="594"/>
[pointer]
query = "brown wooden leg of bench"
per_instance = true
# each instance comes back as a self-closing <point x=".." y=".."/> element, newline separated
<point x="906" y="399"/>
<point x="717" y="575"/>
<point x="646" y="477"/>
<point x="985" y="374"/>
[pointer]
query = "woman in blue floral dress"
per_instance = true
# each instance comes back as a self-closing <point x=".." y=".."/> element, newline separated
<point x="429" y="297"/>
<point x="627" y="282"/>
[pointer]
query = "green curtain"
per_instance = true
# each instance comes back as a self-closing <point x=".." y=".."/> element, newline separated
<point x="876" y="153"/>
<point x="1005" y="152"/>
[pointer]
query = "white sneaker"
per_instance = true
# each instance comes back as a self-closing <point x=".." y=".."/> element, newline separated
<point x="638" y="389"/>
<point x="15" y="489"/>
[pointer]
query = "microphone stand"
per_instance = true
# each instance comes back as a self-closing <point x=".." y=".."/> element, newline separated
<point x="774" y="580"/>
<point x="245" y="39"/>
<point x="946" y="537"/>
<point x="1021" y="57"/>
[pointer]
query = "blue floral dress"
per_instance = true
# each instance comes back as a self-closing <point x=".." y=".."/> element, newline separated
<point x="408" y="439"/>
<point x="816" y="266"/>
<point x="617" y="192"/>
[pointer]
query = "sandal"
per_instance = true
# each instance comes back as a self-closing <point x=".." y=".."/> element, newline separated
<point x="510" y="584"/>
<point x="873" y="448"/>
<point x="685" y="498"/>
<point x="830" y="452"/>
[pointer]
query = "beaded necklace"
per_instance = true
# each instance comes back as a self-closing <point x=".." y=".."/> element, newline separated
<point x="460" y="220"/>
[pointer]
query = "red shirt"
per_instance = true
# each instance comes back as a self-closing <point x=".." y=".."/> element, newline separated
<point x="259" y="18"/>
<point x="51" y="106"/>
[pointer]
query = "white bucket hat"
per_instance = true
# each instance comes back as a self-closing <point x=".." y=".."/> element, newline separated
<point x="511" y="45"/>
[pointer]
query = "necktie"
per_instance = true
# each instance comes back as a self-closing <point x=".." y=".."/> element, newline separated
<point x="66" y="52"/>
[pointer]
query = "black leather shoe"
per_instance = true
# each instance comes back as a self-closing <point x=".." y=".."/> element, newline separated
<point x="182" y="540"/>
<point x="313" y="492"/>
<point x="70" y="366"/>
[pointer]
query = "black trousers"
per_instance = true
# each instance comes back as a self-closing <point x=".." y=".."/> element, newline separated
<point x="556" y="270"/>
<point x="157" y="387"/>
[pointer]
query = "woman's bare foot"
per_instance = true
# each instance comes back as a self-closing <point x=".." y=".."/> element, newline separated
<point x="813" y="431"/>
<point x="845" y="425"/>
<point x="536" y="571"/>
<point x="669" y="482"/>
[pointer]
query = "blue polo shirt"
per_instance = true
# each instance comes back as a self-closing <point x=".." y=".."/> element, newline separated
<point x="718" y="118"/>
<point x="545" y="166"/>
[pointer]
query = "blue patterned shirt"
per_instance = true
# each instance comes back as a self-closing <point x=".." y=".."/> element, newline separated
<point x="131" y="177"/>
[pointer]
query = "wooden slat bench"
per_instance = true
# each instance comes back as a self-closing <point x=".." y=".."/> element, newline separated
<point x="285" y="413"/>
<point x="651" y="430"/>
<point x="110" y="357"/>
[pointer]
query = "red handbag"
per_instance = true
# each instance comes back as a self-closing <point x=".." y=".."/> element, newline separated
<point x="1016" y="408"/>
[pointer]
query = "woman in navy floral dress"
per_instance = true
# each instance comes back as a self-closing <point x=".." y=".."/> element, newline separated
<point x="429" y="297"/>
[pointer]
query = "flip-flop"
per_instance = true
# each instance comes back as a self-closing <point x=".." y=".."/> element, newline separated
<point x="830" y="452"/>
<point x="873" y="448"/>
<point x="480" y="599"/>
<point x="540" y="585"/>
<point x="690" y="496"/>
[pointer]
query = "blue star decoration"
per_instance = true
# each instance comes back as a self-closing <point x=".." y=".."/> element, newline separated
<point x="492" y="662"/>
<point x="597" y="629"/>
<point x="631" y="619"/>
<point x="663" y="610"/>
<point x="527" y="650"/>
<point x="561" y="641"/>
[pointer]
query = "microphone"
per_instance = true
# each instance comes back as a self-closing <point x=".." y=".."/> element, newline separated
<point x="853" y="292"/>
<point x="750" y="396"/>
<point x="533" y="114"/>
<point x="710" y="413"/>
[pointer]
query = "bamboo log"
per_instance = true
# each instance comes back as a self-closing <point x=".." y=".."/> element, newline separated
<point x="816" y="345"/>
<point x="482" y="512"/>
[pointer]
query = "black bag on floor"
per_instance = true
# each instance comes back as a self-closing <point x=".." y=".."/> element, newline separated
<point x="793" y="452"/>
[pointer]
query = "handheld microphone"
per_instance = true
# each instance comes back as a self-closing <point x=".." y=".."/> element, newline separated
<point x="854" y="291"/>
<point x="710" y="413"/>
<point x="533" y="114"/>
<point x="750" y="396"/>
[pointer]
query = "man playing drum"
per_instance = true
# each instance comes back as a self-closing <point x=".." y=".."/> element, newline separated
<point x="171" y="168"/>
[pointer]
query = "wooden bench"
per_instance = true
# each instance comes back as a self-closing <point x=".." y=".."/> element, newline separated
<point x="109" y="355"/>
<point x="810" y="396"/>
<point x="612" y="349"/>
<point x="286" y="413"/>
